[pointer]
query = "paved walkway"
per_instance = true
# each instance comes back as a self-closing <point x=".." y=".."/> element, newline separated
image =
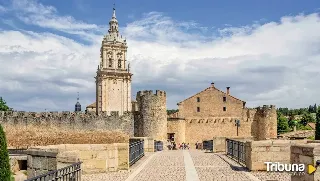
<point x="186" y="165"/>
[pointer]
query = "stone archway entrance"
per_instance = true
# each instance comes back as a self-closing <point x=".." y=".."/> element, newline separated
<point x="171" y="136"/>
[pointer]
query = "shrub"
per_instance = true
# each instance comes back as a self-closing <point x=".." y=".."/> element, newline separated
<point x="317" y="135"/>
<point x="5" y="173"/>
<point x="282" y="125"/>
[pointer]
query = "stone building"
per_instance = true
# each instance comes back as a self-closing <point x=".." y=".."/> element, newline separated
<point x="113" y="80"/>
<point x="213" y="113"/>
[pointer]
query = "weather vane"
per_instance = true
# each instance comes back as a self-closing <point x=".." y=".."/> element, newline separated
<point x="114" y="5"/>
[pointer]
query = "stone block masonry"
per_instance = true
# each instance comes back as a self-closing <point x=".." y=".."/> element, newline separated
<point x="259" y="152"/>
<point x="259" y="123"/>
<point x="71" y="120"/>
<point x="41" y="161"/>
<point x="306" y="154"/>
<point x="151" y="120"/>
<point x="95" y="158"/>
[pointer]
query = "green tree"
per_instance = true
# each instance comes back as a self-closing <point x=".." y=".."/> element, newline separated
<point x="317" y="135"/>
<point x="5" y="173"/>
<point x="171" y="111"/>
<point x="283" y="125"/>
<point x="3" y="105"/>
<point x="306" y="118"/>
<point x="310" y="109"/>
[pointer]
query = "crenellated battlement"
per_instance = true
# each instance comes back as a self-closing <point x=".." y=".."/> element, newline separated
<point x="72" y="120"/>
<point x="266" y="107"/>
<point x="24" y="114"/>
<point x="158" y="93"/>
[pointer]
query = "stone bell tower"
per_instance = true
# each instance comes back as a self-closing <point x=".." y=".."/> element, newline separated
<point x="113" y="80"/>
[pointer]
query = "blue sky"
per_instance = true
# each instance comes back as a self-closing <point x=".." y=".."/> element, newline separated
<point x="264" y="50"/>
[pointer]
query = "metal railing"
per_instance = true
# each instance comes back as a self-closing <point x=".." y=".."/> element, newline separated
<point x="236" y="150"/>
<point x="208" y="145"/>
<point x="136" y="150"/>
<point x="69" y="173"/>
<point x="158" y="145"/>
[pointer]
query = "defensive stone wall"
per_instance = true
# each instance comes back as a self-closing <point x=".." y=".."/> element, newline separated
<point x="307" y="154"/>
<point x="178" y="127"/>
<point x="201" y="129"/>
<point x="95" y="158"/>
<point x="151" y="120"/>
<point x="70" y="120"/>
<point x="259" y="123"/>
<point x="259" y="152"/>
<point x="41" y="161"/>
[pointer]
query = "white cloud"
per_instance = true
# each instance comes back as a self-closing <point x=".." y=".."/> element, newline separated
<point x="2" y="9"/>
<point x="271" y="63"/>
<point x="32" y="12"/>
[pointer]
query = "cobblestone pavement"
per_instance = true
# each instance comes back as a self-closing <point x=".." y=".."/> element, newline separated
<point x="167" y="165"/>
<point x="170" y="166"/>
<point x="272" y="176"/>
<point x="211" y="166"/>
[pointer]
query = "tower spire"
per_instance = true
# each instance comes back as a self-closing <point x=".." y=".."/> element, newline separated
<point x="114" y="11"/>
<point x="78" y="97"/>
<point x="77" y="107"/>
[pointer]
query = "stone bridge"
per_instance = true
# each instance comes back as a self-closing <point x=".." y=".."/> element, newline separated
<point x="186" y="165"/>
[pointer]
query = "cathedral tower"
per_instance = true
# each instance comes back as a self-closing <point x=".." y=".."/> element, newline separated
<point x="113" y="80"/>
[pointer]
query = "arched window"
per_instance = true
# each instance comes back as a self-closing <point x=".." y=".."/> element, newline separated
<point x="110" y="62"/>
<point x="119" y="63"/>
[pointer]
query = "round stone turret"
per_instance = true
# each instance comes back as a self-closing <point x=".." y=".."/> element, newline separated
<point x="153" y="114"/>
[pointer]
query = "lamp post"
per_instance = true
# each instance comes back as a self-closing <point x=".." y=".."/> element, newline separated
<point x="237" y="123"/>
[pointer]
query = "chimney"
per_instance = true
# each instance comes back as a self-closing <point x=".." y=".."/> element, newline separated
<point x="212" y="84"/>
<point x="228" y="90"/>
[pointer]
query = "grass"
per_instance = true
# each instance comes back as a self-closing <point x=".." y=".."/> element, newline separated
<point x="24" y="137"/>
<point x="311" y="138"/>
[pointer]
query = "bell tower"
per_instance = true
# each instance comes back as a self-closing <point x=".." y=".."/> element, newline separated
<point x="113" y="80"/>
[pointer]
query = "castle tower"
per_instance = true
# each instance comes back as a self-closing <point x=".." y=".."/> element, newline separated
<point x="267" y="122"/>
<point x="153" y="114"/>
<point x="113" y="80"/>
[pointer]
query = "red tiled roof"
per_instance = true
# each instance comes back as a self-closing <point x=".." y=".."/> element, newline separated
<point x="208" y="89"/>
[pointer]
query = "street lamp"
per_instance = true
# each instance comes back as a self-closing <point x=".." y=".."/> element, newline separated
<point x="237" y="123"/>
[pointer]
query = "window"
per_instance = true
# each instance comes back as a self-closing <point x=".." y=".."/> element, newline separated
<point x="224" y="99"/>
<point x="119" y="63"/>
<point x="110" y="62"/>
<point x="198" y="109"/>
<point x="198" y="99"/>
<point x="224" y="109"/>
